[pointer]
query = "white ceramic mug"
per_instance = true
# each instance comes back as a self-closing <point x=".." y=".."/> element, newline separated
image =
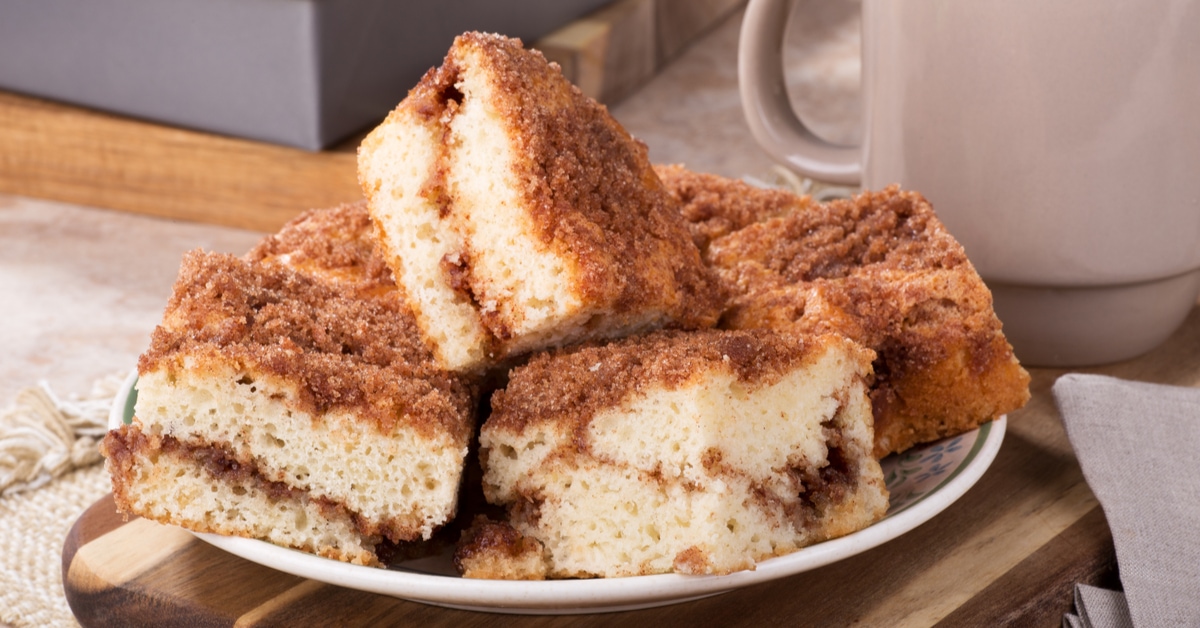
<point x="1058" y="140"/>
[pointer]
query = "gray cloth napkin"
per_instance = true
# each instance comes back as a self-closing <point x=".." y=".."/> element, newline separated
<point x="1139" y="447"/>
<point x="1098" y="608"/>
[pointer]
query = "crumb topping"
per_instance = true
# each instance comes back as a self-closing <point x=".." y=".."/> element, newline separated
<point x="573" y="385"/>
<point x="881" y="269"/>
<point x="886" y="230"/>
<point x="336" y="244"/>
<point x="715" y="206"/>
<point x="849" y="266"/>
<point x="343" y="349"/>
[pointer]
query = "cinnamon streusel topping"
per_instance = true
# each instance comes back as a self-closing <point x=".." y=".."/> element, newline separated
<point x="342" y="349"/>
<point x="574" y="384"/>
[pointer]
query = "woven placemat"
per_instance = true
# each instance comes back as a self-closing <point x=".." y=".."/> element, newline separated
<point x="49" y="474"/>
<point x="33" y="526"/>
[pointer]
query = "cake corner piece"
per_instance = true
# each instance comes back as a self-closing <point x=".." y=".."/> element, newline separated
<point x="519" y="215"/>
<point x="882" y="269"/>
<point x="690" y="452"/>
<point x="278" y="406"/>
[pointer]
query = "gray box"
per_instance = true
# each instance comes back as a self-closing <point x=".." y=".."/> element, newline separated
<point x="305" y="73"/>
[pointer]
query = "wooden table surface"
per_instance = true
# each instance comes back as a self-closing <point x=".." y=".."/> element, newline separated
<point x="1007" y="553"/>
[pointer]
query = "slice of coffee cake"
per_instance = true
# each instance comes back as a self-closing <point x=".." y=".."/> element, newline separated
<point x="881" y="269"/>
<point x="276" y="406"/>
<point x="518" y="214"/>
<point x="693" y="452"/>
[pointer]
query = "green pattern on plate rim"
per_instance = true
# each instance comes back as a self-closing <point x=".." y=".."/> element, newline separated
<point x="921" y="471"/>
<point x="130" y="402"/>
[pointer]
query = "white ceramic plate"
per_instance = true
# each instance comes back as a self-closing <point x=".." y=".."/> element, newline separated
<point x="923" y="482"/>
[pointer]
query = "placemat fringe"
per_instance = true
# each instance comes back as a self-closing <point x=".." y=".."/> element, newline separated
<point x="43" y="436"/>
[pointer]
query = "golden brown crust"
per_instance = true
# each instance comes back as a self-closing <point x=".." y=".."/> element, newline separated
<point x="946" y="397"/>
<point x="342" y="348"/>
<point x="881" y="269"/>
<point x="572" y="385"/>
<point x="714" y="206"/>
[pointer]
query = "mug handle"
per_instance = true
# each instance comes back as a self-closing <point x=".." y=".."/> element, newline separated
<point x="769" y="112"/>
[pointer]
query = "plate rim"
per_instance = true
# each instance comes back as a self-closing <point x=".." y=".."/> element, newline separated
<point x="601" y="594"/>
